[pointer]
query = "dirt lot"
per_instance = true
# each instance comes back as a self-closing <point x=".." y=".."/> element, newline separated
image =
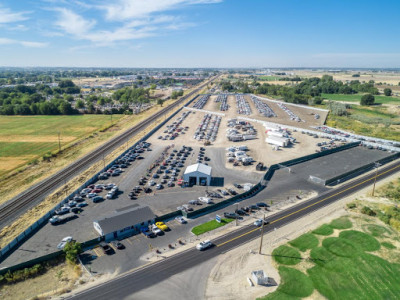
<point x="259" y="149"/>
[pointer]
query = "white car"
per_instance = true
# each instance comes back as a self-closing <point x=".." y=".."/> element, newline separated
<point x="205" y="200"/>
<point x="63" y="242"/>
<point x="110" y="195"/>
<point x="151" y="183"/>
<point x="91" y="195"/>
<point x="181" y="220"/>
<point x="156" y="230"/>
<point x="259" y="222"/>
<point x="204" y="245"/>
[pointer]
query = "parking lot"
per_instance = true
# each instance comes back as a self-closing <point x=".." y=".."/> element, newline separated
<point x="183" y="150"/>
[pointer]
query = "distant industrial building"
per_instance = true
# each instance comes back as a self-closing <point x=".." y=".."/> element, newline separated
<point x="124" y="222"/>
<point x="199" y="174"/>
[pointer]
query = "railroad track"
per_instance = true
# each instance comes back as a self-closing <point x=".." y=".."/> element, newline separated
<point x="36" y="194"/>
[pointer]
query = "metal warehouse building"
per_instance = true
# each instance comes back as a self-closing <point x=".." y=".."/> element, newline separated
<point x="125" y="222"/>
<point x="199" y="174"/>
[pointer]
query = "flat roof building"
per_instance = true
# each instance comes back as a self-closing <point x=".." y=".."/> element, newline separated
<point x="124" y="222"/>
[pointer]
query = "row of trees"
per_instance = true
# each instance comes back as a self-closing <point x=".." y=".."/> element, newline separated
<point x="306" y="92"/>
<point x="34" y="100"/>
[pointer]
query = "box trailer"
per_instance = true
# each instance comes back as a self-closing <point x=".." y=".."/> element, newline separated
<point x="274" y="140"/>
<point x="249" y="137"/>
<point x="275" y="133"/>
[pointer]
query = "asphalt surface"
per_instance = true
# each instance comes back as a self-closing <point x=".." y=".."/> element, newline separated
<point x="133" y="282"/>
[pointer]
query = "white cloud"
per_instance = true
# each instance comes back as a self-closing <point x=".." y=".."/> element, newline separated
<point x="73" y="23"/>
<point x="29" y="44"/>
<point x="7" y="16"/>
<point x="128" y="9"/>
<point x="137" y="18"/>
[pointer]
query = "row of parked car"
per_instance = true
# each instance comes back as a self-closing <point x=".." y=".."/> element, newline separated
<point x="243" y="211"/>
<point x="175" y="129"/>
<point x="242" y="106"/>
<point x="199" y="104"/>
<point x="223" y="99"/>
<point x="263" y="108"/>
<point x="291" y="114"/>
<point x="208" y="128"/>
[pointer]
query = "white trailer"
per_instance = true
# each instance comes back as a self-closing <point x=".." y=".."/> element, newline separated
<point x="249" y="137"/>
<point x="275" y="133"/>
<point x="278" y="141"/>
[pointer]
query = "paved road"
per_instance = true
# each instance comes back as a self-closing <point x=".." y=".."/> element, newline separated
<point x="133" y="282"/>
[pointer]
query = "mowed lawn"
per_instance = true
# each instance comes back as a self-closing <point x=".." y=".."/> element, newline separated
<point x="357" y="97"/>
<point x="347" y="266"/>
<point x="24" y="138"/>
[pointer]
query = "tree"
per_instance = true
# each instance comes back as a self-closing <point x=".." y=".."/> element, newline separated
<point x="387" y="92"/>
<point x="160" y="102"/>
<point x="71" y="250"/>
<point x="367" y="99"/>
<point x="80" y="104"/>
<point x="66" y="83"/>
<point x="153" y="86"/>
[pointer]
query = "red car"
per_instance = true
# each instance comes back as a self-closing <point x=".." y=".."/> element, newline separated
<point x="96" y="190"/>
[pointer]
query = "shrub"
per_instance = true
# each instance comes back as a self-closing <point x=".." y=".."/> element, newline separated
<point x="367" y="99"/>
<point x="368" y="211"/>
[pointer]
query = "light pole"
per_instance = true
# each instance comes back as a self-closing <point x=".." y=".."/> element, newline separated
<point x="262" y="234"/>
<point x="376" y="166"/>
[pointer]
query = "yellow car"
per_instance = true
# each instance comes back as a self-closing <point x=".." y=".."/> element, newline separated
<point x="162" y="226"/>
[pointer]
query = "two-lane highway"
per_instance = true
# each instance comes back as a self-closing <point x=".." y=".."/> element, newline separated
<point x="132" y="282"/>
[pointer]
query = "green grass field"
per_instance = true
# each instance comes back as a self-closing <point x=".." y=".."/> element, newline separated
<point x="24" y="138"/>
<point x="344" y="267"/>
<point x="208" y="226"/>
<point x="286" y="255"/>
<point x="268" y="78"/>
<point x="357" y="97"/>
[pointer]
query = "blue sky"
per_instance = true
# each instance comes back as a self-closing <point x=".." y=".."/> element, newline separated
<point x="200" y="33"/>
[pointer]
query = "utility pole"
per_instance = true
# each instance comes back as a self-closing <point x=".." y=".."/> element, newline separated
<point x="376" y="175"/>
<point x="104" y="162"/>
<point x="59" y="141"/>
<point x="237" y="207"/>
<point x="262" y="234"/>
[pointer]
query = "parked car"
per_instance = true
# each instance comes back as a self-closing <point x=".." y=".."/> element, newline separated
<point x="82" y="204"/>
<point x="97" y="199"/>
<point x="62" y="211"/>
<point x="204" y="245"/>
<point x="106" y="248"/>
<point x="63" y="242"/>
<point x="76" y="210"/>
<point x="261" y="204"/>
<point x="240" y="212"/>
<point x="231" y="215"/>
<point x="162" y="226"/>
<point x="147" y="233"/>
<point x="181" y="220"/>
<point x="156" y="230"/>
<point x="118" y="245"/>
<point x="205" y="200"/>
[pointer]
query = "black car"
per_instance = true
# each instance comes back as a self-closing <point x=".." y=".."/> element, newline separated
<point x="231" y="215"/>
<point x="76" y="210"/>
<point x="240" y="212"/>
<point x="254" y="207"/>
<point x="238" y="186"/>
<point x="106" y="248"/>
<point x="245" y="208"/>
<point x="118" y="245"/>
<point x="147" y="190"/>
<point x="261" y="204"/>
<point x="232" y="192"/>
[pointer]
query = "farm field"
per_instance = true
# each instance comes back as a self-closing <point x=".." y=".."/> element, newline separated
<point x="25" y="138"/>
<point x="339" y="261"/>
<point x="357" y="97"/>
